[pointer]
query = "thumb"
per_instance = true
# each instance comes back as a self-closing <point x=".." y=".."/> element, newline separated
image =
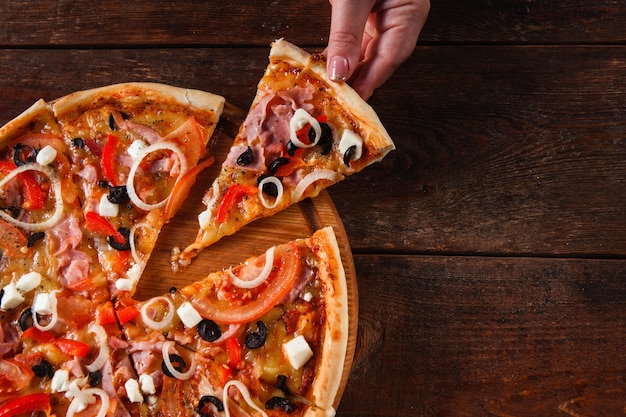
<point x="346" y="32"/>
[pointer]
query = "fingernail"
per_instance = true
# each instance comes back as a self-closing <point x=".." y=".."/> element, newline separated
<point x="338" y="68"/>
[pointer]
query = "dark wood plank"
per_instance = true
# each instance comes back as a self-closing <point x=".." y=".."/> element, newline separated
<point x="514" y="150"/>
<point x="109" y="24"/>
<point x="526" y="22"/>
<point x="158" y="23"/>
<point x="463" y="336"/>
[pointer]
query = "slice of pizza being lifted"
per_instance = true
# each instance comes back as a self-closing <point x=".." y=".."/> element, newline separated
<point x="303" y="133"/>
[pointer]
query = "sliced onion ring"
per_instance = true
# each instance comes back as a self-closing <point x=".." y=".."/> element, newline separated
<point x="295" y="125"/>
<point x="320" y="174"/>
<point x="261" y="278"/>
<point x="103" y="354"/>
<point x="56" y="189"/>
<point x="165" y="351"/>
<point x="104" y="402"/>
<point x="244" y="393"/>
<point x="54" y="316"/>
<point x="130" y="182"/>
<point x="153" y="324"/>
<point x="279" y="187"/>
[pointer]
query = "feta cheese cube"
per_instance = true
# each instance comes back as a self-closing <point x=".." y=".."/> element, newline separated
<point x="11" y="297"/>
<point x="106" y="208"/>
<point x="28" y="282"/>
<point x="136" y="148"/>
<point x="124" y="284"/>
<point x="147" y="384"/>
<point x="60" y="381"/>
<point x="188" y="315"/>
<point x="42" y="303"/>
<point x="132" y="391"/>
<point x="46" y="155"/>
<point x="297" y="351"/>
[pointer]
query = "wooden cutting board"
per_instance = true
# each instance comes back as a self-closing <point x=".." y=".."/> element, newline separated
<point x="298" y="221"/>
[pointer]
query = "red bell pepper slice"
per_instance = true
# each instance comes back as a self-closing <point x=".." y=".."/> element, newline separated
<point x="233" y="349"/>
<point x="71" y="347"/>
<point x="37" y="335"/>
<point x="232" y="197"/>
<point x="26" y="404"/>
<point x="126" y="314"/>
<point x="31" y="190"/>
<point x="98" y="224"/>
<point x="108" y="159"/>
<point x="106" y="314"/>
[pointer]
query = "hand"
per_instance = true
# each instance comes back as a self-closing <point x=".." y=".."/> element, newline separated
<point x="369" y="39"/>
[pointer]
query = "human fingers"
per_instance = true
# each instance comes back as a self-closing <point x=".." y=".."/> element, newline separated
<point x="346" y="33"/>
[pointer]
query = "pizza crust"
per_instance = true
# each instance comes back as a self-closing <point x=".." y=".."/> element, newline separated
<point x="39" y="111"/>
<point x="336" y="331"/>
<point x="137" y="92"/>
<point x="371" y="127"/>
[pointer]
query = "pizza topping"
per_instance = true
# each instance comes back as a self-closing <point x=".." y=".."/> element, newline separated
<point x="124" y="244"/>
<point x="25" y="320"/>
<point x="78" y="142"/>
<point x="130" y="184"/>
<point x="246" y="157"/>
<point x="43" y="369"/>
<point x="188" y="315"/>
<point x="257" y="280"/>
<point x="80" y="402"/>
<point x="24" y="154"/>
<point x="147" y="384"/>
<point x="232" y="197"/>
<point x="277" y="163"/>
<point x="173" y="364"/>
<point x="299" y="120"/>
<point x="132" y="390"/>
<point x="297" y="351"/>
<point x="255" y="340"/>
<point x="281" y="280"/>
<point x="273" y="187"/>
<point x="34" y="237"/>
<point x="245" y="395"/>
<point x="350" y="146"/>
<point x="28" y="281"/>
<point x="26" y="404"/>
<point x="209" y="330"/>
<point x="280" y="402"/>
<point x="106" y="208"/>
<point x="148" y="313"/>
<point x="102" y="341"/>
<point x="118" y="194"/>
<point x="11" y="297"/>
<point x="45" y="304"/>
<point x="47" y="155"/>
<point x="312" y="177"/>
<point x="35" y="197"/>
<point x="205" y="401"/>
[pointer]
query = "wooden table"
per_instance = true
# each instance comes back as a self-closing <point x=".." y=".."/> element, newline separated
<point x="490" y="248"/>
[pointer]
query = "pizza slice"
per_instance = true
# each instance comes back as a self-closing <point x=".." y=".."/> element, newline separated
<point x="302" y="134"/>
<point x="136" y="149"/>
<point x="267" y="337"/>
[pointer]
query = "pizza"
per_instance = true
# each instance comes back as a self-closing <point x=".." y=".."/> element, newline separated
<point x="88" y="182"/>
<point x="303" y="133"/>
<point x="267" y="337"/>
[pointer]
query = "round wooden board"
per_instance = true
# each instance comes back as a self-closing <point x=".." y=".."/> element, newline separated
<point x="298" y="221"/>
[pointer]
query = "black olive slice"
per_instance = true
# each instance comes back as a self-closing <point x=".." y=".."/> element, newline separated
<point x="256" y="339"/>
<point x="33" y="238"/>
<point x="78" y="142"/>
<point x="326" y="140"/>
<point x="177" y="362"/>
<point x="12" y="210"/>
<point x="112" y="124"/>
<point x="291" y="148"/>
<point x="104" y="184"/>
<point x="95" y="378"/>
<point x="26" y="319"/>
<point x="269" y="188"/>
<point x="206" y="400"/>
<point x="123" y="245"/>
<point x="24" y="154"/>
<point x="277" y="163"/>
<point x="279" y="402"/>
<point x="246" y="157"/>
<point x="347" y="157"/>
<point x="281" y="382"/>
<point x="209" y="330"/>
<point x="118" y="195"/>
<point x="43" y="368"/>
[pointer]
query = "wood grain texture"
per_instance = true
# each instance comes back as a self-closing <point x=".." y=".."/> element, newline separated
<point x="488" y="337"/>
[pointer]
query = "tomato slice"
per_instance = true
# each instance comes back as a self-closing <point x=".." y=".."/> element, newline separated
<point x="13" y="377"/>
<point x="12" y="240"/>
<point x="286" y="271"/>
<point x="25" y="404"/>
<point x="183" y="187"/>
<point x="190" y="139"/>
